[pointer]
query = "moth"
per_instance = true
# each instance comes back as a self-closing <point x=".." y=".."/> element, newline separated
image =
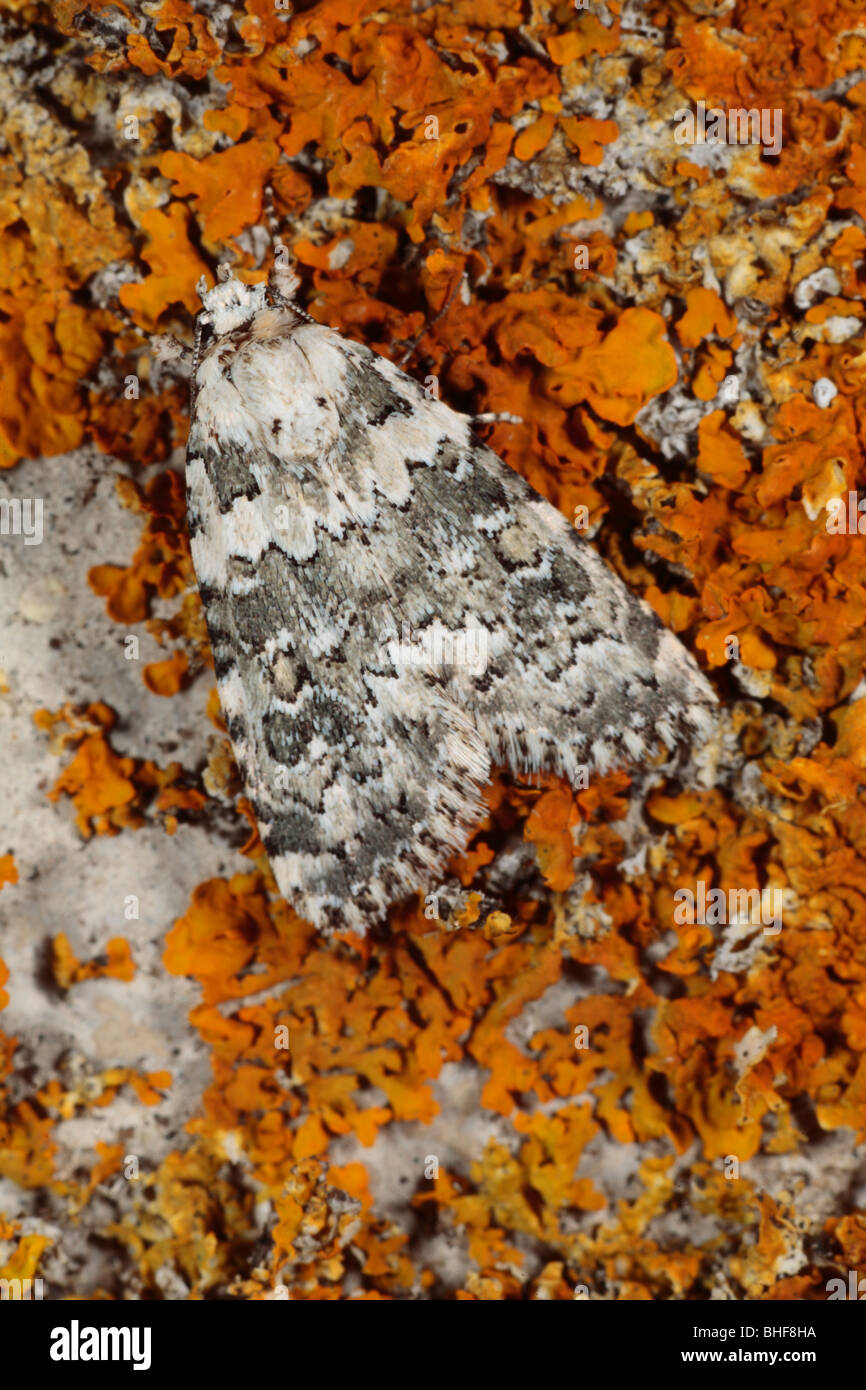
<point x="334" y="508"/>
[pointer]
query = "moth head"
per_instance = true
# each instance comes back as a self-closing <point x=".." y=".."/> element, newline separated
<point x="229" y="305"/>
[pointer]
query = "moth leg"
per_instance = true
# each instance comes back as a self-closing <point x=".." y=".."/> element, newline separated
<point x="454" y="906"/>
<point x="435" y="319"/>
<point x="492" y="417"/>
<point x="513" y="875"/>
<point x="168" y="349"/>
<point x="165" y="350"/>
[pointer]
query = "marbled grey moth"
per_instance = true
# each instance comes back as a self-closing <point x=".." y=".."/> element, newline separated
<point x="333" y="508"/>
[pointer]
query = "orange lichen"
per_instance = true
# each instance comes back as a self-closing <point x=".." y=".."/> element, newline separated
<point x="160" y="566"/>
<point x="23" y="1263"/>
<point x="550" y="824"/>
<point x="99" y="1090"/>
<point x="166" y="677"/>
<point x="111" y="793"/>
<point x="459" y="180"/>
<point x="705" y="313"/>
<point x="68" y="970"/>
<point x="228" y="186"/>
<point x="589" y="137"/>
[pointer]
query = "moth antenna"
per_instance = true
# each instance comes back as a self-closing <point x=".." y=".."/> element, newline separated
<point x="201" y="320"/>
<point x="270" y="211"/>
<point x="432" y="323"/>
<point x="283" y="281"/>
<point x="126" y="318"/>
